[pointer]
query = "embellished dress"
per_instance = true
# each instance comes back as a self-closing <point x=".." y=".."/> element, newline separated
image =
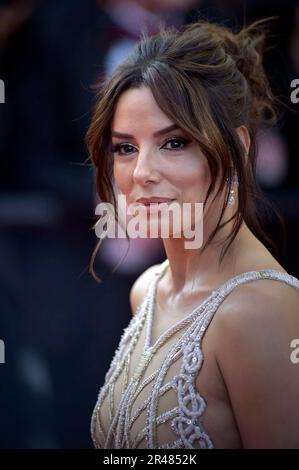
<point x="149" y="398"/>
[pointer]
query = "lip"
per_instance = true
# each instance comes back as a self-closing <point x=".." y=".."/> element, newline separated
<point x="153" y="200"/>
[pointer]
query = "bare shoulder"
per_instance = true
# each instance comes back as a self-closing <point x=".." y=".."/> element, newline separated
<point x="139" y="288"/>
<point x="260" y="314"/>
<point x="256" y="303"/>
<point x="255" y="327"/>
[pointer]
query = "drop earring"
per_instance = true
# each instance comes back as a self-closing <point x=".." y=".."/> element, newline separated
<point x="231" y="199"/>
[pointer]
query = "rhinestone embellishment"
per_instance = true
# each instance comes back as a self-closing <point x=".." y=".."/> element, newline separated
<point x="184" y="420"/>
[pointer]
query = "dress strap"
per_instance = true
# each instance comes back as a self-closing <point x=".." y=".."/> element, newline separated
<point x="150" y="291"/>
<point x="251" y="276"/>
<point x="220" y="294"/>
<point x="163" y="266"/>
<point x="158" y="274"/>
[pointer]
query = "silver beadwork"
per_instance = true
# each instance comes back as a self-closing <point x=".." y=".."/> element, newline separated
<point x="185" y="419"/>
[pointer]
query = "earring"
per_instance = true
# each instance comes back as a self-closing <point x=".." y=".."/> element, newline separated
<point x="231" y="199"/>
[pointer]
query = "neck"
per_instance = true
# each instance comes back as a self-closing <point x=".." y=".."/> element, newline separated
<point x="193" y="269"/>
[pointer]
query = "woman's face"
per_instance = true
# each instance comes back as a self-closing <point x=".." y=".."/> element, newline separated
<point x="151" y="161"/>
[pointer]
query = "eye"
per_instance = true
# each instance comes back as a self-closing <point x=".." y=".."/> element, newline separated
<point x="177" y="143"/>
<point x="122" y="149"/>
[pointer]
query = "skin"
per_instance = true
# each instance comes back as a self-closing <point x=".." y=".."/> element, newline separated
<point x="247" y="379"/>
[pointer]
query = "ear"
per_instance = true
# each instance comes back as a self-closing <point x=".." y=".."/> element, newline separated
<point x="244" y="136"/>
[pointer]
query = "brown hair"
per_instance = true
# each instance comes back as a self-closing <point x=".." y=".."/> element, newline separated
<point x="203" y="67"/>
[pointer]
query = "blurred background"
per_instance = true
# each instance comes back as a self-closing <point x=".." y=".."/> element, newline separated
<point x="59" y="326"/>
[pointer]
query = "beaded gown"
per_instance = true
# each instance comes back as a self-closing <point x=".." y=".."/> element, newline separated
<point x="149" y="398"/>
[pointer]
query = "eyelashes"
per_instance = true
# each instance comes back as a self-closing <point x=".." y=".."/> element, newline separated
<point x="116" y="149"/>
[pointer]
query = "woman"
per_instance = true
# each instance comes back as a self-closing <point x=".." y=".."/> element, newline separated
<point x="205" y="361"/>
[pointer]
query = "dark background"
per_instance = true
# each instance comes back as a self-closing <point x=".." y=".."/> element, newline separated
<point x="59" y="326"/>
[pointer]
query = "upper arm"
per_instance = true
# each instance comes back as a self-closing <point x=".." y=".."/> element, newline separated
<point x="139" y="288"/>
<point x="254" y="352"/>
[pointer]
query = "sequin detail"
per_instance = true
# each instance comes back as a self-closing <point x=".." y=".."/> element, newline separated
<point x="185" y="419"/>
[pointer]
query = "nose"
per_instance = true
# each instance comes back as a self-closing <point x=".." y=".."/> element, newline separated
<point x="144" y="171"/>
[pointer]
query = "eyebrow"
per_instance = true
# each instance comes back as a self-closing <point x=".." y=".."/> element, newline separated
<point x="155" y="134"/>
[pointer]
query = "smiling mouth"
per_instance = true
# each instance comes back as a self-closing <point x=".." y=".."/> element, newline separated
<point x="154" y="203"/>
<point x="145" y="202"/>
<point x="153" y="206"/>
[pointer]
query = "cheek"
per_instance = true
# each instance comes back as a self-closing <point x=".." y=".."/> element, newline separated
<point x="193" y="179"/>
<point x="122" y="176"/>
